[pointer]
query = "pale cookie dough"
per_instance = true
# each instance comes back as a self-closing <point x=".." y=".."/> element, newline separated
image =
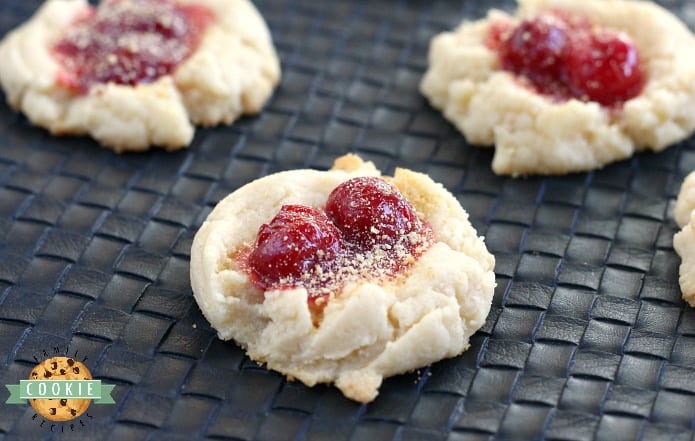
<point x="532" y="134"/>
<point x="233" y="72"/>
<point x="684" y="240"/>
<point x="367" y="331"/>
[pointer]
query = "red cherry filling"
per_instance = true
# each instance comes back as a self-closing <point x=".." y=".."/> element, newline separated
<point x="605" y="69"/>
<point x="566" y="57"/>
<point x="298" y="240"/>
<point x="370" y="211"/>
<point x="536" y="49"/>
<point x="129" y="42"/>
<point x="368" y="230"/>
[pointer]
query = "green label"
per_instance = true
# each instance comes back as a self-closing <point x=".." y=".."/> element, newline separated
<point x="52" y="389"/>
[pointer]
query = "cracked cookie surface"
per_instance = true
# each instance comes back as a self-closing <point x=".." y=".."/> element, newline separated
<point x="536" y="134"/>
<point x="368" y="330"/>
<point x="231" y="70"/>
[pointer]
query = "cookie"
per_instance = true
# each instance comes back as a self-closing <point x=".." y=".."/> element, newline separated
<point x="343" y="276"/>
<point x="60" y="368"/>
<point x="684" y="239"/>
<point x="563" y="86"/>
<point x="133" y="75"/>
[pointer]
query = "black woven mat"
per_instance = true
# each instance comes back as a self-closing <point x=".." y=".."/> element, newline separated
<point x="587" y="339"/>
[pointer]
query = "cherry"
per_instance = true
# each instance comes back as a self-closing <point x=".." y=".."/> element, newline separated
<point x="298" y="240"/>
<point x="605" y="68"/>
<point x="536" y="49"/>
<point x="129" y="42"/>
<point x="564" y="56"/>
<point x="367" y="230"/>
<point x="370" y="211"/>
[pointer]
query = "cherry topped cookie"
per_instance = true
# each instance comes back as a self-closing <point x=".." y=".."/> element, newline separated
<point x="137" y="74"/>
<point x="566" y="86"/>
<point x="343" y="276"/>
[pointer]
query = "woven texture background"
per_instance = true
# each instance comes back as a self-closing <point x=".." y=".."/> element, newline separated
<point x="587" y="339"/>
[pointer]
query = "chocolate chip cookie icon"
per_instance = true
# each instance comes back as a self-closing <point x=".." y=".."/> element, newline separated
<point x="60" y="368"/>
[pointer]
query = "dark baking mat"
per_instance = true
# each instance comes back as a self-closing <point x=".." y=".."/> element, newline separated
<point x="587" y="339"/>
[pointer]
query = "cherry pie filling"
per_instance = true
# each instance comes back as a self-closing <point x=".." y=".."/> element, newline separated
<point x="367" y="230"/>
<point x="565" y="56"/>
<point x="128" y="42"/>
